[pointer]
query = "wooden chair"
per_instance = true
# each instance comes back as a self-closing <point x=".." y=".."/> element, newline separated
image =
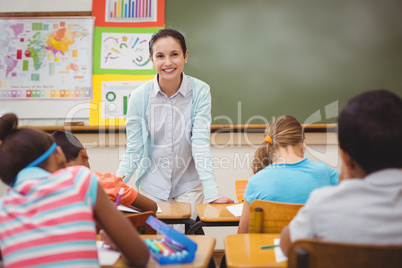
<point x="274" y="216"/>
<point x="240" y="186"/>
<point x="138" y="220"/>
<point x="313" y="253"/>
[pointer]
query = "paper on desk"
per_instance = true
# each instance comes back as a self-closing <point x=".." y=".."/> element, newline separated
<point x="159" y="209"/>
<point x="128" y="209"/>
<point x="106" y="256"/>
<point x="279" y="257"/>
<point x="235" y="209"/>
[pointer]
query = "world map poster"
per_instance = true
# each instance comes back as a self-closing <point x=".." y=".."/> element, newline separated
<point x="46" y="58"/>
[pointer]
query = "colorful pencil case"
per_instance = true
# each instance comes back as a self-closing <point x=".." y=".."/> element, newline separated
<point x="174" y="248"/>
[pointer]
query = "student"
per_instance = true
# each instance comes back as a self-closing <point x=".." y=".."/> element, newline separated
<point x="168" y="130"/>
<point x="46" y="217"/>
<point x="281" y="173"/>
<point x="366" y="207"/>
<point x="76" y="154"/>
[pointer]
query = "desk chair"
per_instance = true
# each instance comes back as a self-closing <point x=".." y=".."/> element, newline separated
<point x="313" y="253"/>
<point x="240" y="186"/>
<point x="274" y="216"/>
<point x="138" y="220"/>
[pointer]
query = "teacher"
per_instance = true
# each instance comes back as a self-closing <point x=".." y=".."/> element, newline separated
<point x="168" y="130"/>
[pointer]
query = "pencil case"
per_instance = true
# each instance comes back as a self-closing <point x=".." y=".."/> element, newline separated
<point x="174" y="248"/>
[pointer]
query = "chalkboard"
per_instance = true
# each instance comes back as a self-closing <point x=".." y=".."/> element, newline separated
<point x="265" y="58"/>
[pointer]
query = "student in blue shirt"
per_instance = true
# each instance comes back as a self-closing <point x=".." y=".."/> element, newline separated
<point x="281" y="173"/>
<point x="168" y="130"/>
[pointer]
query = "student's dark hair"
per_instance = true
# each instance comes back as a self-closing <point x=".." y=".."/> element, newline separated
<point x="19" y="147"/>
<point x="162" y="33"/>
<point x="370" y="130"/>
<point x="283" y="131"/>
<point x="68" y="143"/>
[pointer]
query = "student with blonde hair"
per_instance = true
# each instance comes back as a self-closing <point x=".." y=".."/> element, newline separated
<point x="281" y="173"/>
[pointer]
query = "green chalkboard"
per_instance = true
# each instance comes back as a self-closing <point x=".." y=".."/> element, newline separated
<point x="265" y="58"/>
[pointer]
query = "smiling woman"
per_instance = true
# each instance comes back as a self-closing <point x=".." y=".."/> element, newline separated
<point x="168" y="124"/>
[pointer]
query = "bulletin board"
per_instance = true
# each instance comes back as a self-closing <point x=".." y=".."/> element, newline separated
<point x="46" y="58"/>
<point x="37" y="102"/>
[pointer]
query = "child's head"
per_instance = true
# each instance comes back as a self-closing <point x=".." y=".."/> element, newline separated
<point x="73" y="149"/>
<point x="22" y="147"/>
<point x="163" y="33"/>
<point x="282" y="131"/>
<point x="370" y="130"/>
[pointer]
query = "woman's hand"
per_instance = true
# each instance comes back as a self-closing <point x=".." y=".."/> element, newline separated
<point x="222" y="200"/>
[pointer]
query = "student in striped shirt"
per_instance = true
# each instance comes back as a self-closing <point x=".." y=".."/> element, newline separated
<point x="76" y="154"/>
<point x="46" y="217"/>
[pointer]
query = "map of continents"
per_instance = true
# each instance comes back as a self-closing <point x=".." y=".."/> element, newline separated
<point x="44" y="55"/>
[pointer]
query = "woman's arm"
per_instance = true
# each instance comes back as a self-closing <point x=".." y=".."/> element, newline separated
<point x="135" y="252"/>
<point x="143" y="203"/>
<point x="201" y="131"/>
<point x="136" y="135"/>
<point x="244" y="218"/>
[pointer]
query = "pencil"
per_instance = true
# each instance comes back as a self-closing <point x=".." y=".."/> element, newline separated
<point x="269" y="246"/>
<point x="119" y="196"/>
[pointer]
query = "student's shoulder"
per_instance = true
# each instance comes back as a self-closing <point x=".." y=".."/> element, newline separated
<point x="106" y="176"/>
<point x="320" y="165"/>
<point x="263" y="175"/>
<point x="73" y="173"/>
<point x="332" y="193"/>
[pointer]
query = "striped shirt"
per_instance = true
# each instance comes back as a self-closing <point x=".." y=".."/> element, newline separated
<point x="46" y="220"/>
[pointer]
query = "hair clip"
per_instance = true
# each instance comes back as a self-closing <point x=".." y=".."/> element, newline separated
<point x="268" y="139"/>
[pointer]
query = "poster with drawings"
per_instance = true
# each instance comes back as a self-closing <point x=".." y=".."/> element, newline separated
<point x="125" y="51"/>
<point x="115" y="96"/>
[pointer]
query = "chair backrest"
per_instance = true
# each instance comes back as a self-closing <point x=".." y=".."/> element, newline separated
<point x="274" y="216"/>
<point x="240" y="186"/>
<point x="313" y="253"/>
<point x="138" y="220"/>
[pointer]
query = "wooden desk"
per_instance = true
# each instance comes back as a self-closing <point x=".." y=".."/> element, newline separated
<point x="213" y="215"/>
<point x="206" y="245"/>
<point x="243" y="251"/>
<point x="176" y="213"/>
<point x="174" y="210"/>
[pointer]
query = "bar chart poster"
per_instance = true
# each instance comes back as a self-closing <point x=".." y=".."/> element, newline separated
<point x="122" y="50"/>
<point x="129" y="13"/>
<point x="111" y="96"/>
<point x="46" y="58"/>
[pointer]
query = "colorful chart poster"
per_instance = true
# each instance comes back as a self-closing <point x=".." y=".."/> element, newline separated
<point x="46" y="58"/>
<point x="111" y="96"/>
<point x="122" y="51"/>
<point x="129" y="13"/>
